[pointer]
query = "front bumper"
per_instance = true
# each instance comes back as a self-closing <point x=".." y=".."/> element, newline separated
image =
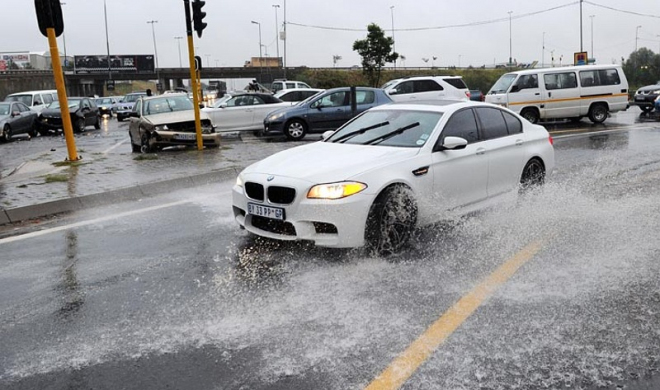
<point x="168" y="138"/>
<point x="50" y="123"/>
<point x="643" y="100"/>
<point x="271" y="128"/>
<point x="336" y="223"/>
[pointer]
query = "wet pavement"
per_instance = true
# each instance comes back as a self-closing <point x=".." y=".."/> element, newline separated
<point x="35" y="180"/>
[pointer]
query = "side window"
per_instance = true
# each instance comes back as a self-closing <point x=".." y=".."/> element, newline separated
<point x="290" y="85"/>
<point x="86" y="104"/>
<point x="38" y="100"/>
<point x="492" y="123"/>
<point x="405" y="87"/>
<point x="527" y="81"/>
<point x="365" y="97"/>
<point x="22" y="107"/>
<point x="48" y="99"/>
<point x="462" y="124"/>
<point x="609" y="77"/>
<point x="560" y="81"/>
<point x="426" y="86"/>
<point x="333" y="100"/>
<point x="513" y="124"/>
<point x="303" y="85"/>
<point x="257" y="100"/>
<point x="138" y="107"/>
<point x="588" y="78"/>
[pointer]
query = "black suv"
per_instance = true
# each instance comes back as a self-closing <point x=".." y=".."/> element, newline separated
<point x="645" y="96"/>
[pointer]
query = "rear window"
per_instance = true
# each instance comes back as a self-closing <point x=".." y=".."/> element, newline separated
<point x="594" y="78"/>
<point x="456" y="83"/>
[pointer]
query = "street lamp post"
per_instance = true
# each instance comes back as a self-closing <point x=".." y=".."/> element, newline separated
<point x="107" y="41"/>
<point x="592" y="35"/>
<point x="637" y="36"/>
<point x="285" y="37"/>
<point x="510" y="41"/>
<point x="179" y="43"/>
<point x="260" y="57"/>
<point x="64" y="42"/>
<point x="393" y="41"/>
<point x="543" y="51"/>
<point x="153" y="34"/>
<point x="277" y="33"/>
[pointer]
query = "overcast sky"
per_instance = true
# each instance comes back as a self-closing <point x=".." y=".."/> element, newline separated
<point x="231" y="39"/>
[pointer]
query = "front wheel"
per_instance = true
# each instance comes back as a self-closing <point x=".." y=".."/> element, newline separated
<point x="6" y="134"/>
<point x="598" y="113"/>
<point x="391" y="220"/>
<point x="97" y="124"/>
<point x="533" y="175"/>
<point x="295" y="129"/>
<point x="531" y="115"/>
<point x="80" y="125"/>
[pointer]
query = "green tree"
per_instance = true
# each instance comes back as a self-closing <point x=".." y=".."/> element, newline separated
<point x="375" y="50"/>
<point x="642" y="68"/>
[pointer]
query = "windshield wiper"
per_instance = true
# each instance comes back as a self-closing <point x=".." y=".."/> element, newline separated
<point x="361" y="131"/>
<point x="391" y="134"/>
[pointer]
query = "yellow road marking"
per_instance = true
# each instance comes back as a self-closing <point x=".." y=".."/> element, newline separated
<point x="421" y="349"/>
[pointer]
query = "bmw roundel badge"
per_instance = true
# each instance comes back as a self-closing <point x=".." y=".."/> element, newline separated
<point x="270" y="178"/>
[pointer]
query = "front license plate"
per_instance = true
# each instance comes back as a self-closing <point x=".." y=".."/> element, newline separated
<point x="266" y="211"/>
<point x="639" y="98"/>
<point x="185" y="136"/>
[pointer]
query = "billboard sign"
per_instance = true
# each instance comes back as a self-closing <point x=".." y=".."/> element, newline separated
<point x="118" y="64"/>
<point x="3" y="65"/>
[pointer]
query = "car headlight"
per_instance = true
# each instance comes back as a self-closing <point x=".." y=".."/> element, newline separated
<point x="335" y="190"/>
<point x="239" y="181"/>
<point x="656" y="92"/>
<point x="275" y="117"/>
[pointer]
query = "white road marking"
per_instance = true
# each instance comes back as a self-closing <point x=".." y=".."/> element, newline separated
<point x="115" y="146"/>
<point x="89" y="222"/>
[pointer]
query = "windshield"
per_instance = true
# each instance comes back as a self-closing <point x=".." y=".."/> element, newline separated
<point x="72" y="103"/>
<point x="132" y="98"/>
<point x="167" y="104"/>
<point x="309" y="99"/>
<point x="502" y="85"/>
<point x="103" y="101"/>
<point x="401" y="128"/>
<point x="4" y="109"/>
<point x="221" y="101"/>
<point x="387" y="84"/>
<point x="25" y="99"/>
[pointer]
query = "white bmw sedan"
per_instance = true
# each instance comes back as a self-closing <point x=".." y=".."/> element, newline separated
<point x="389" y="170"/>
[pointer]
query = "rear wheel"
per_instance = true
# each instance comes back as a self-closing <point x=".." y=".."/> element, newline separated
<point x="295" y="129"/>
<point x="97" y="124"/>
<point x="144" y="144"/>
<point x="6" y="134"/>
<point x="80" y="125"/>
<point x="598" y="113"/>
<point x="531" y="114"/>
<point x="391" y="220"/>
<point x="134" y="148"/>
<point x="33" y="131"/>
<point x="533" y="175"/>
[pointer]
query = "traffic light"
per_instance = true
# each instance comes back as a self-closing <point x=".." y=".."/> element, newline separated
<point x="49" y="15"/>
<point x="198" y="16"/>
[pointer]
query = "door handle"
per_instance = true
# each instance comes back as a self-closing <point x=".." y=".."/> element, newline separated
<point x="481" y="151"/>
<point x="537" y="94"/>
<point x="549" y="94"/>
<point x="519" y="142"/>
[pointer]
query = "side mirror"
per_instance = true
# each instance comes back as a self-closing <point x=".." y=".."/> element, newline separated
<point x="201" y="105"/>
<point x="393" y="92"/>
<point x="37" y="103"/>
<point x="452" y="143"/>
<point x="223" y="105"/>
<point x="515" y="88"/>
<point x="15" y="113"/>
<point x="327" y="134"/>
<point x="133" y="114"/>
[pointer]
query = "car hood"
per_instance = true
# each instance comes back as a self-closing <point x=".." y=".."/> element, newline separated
<point x="174" y="117"/>
<point x="54" y="112"/>
<point x="324" y="162"/>
<point x="650" y="88"/>
<point x="290" y="110"/>
<point x="4" y="117"/>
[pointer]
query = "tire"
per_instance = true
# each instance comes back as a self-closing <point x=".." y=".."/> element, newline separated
<point x="120" y="118"/>
<point x="295" y="129"/>
<point x="43" y="132"/>
<point x="391" y="220"/>
<point x="6" y="134"/>
<point x="134" y="148"/>
<point x="646" y="109"/>
<point x="144" y="144"/>
<point x="598" y="113"/>
<point x="97" y="124"/>
<point x="33" y="130"/>
<point x="80" y="125"/>
<point x="531" y="115"/>
<point x="533" y="175"/>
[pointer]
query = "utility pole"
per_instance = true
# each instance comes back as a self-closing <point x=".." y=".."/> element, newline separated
<point x="393" y="41"/>
<point x="277" y="33"/>
<point x="637" y="36"/>
<point x="592" y="36"/>
<point x="153" y="34"/>
<point x="581" y="49"/>
<point x="510" y="41"/>
<point x="107" y="41"/>
<point x="179" y="43"/>
<point x="284" y="39"/>
<point x="543" y="51"/>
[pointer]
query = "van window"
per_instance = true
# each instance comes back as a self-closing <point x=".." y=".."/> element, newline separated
<point x="593" y="78"/>
<point x="493" y="124"/>
<point x="527" y="81"/>
<point x="560" y="80"/>
<point x="37" y="100"/>
<point x="462" y="124"/>
<point x="48" y="98"/>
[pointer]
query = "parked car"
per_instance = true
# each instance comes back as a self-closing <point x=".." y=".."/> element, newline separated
<point x="645" y="97"/>
<point x="296" y="95"/>
<point x="476" y="95"/>
<point x="83" y="113"/>
<point x="107" y="105"/>
<point x="427" y="88"/>
<point x="243" y="111"/>
<point x="16" y="118"/>
<point x="571" y="92"/>
<point x="280" y="84"/>
<point x="389" y="170"/>
<point x="166" y="120"/>
<point x="35" y="100"/>
<point x="126" y="106"/>
<point x="325" y="111"/>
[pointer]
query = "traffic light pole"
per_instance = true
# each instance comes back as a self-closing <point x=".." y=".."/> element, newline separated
<point x="193" y="75"/>
<point x="61" y="95"/>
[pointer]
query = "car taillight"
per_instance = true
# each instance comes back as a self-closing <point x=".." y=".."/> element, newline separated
<point x="551" y="141"/>
<point x="467" y="93"/>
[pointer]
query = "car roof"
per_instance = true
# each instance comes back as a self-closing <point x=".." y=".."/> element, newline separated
<point x="168" y="95"/>
<point x="33" y="92"/>
<point x="287" y="90"/>
<point x="433" y="105"/>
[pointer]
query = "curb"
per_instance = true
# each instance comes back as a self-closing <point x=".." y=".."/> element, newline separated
<point x="123" y="194"/>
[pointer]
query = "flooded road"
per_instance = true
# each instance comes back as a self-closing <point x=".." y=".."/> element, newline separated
<point x="169" y="293"/>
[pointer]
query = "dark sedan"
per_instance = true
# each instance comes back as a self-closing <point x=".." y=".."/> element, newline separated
<point x="325" y="111"/>
<point x="16" y="118"/>
<point x="83" y="113"/>
<point x="645" y="96"/>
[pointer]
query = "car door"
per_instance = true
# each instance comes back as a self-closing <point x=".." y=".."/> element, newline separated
<point x="460" y="177"/>
<point x="25" y="119"/>
<point x="235" y="114"/>
<point x="134" y="125"/>
<point x="329" y="111"/>
<point x="562" y="96"/>
<point x="260" y="109"/>
<point x="86" y="109"/>
<point x="505" y="148"/>
<point x="364" y="101"/>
